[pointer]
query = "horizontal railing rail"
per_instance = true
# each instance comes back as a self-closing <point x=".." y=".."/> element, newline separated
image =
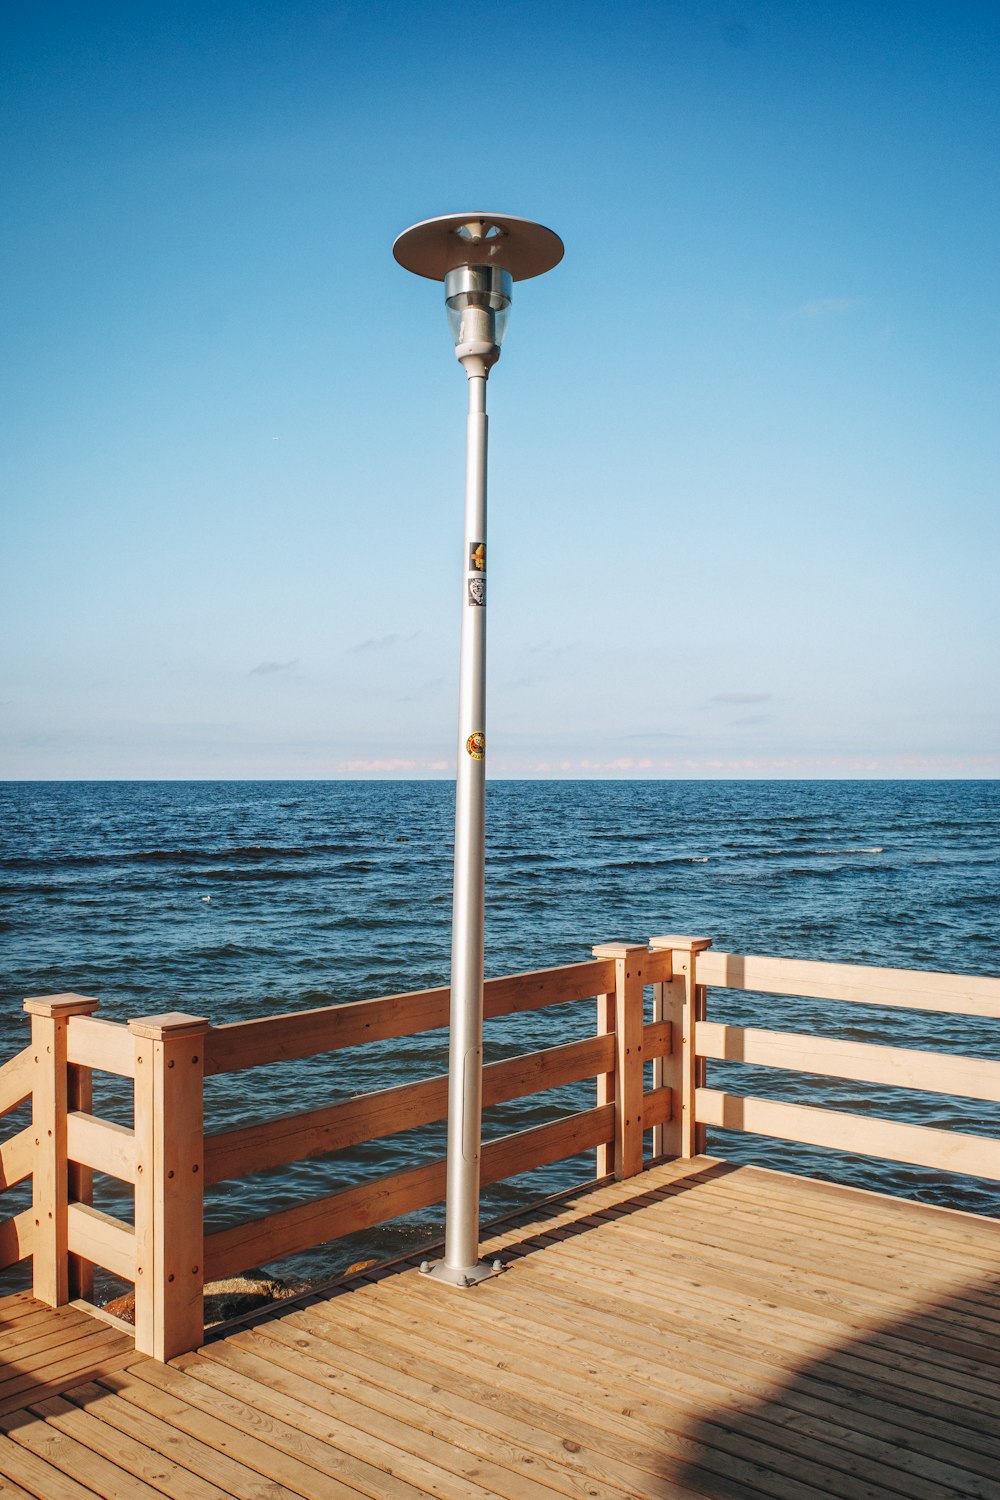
<point x="860" y="1062"/>
<point x="890" y="1140"/>
<point x="16" y="1081"/>
<point x="373" y="1116"/>
<point x="17" y="1156"/>
<point x="375" y="1202"/>
<point x="301" y="1034"/>
<point x="101" y="1145"/>
<point x="367" y="1117"/>
<point x="16" y="1238"/>
<point x="103" y="1240"/>
<point x="104" y="1045"/>
<point x="864" y="1062"/>
<point x="860" y="984"/>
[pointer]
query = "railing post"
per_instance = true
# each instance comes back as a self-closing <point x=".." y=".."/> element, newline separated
<point x="169" y="1190"/>
<point x="50" y="1101"/>
<point x="662" y="1141"/>
<point x="621" y="1013"/>
<point x="681" y="1001"/>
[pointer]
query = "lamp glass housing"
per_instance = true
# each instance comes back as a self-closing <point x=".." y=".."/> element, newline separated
<point x="478" y="302"/>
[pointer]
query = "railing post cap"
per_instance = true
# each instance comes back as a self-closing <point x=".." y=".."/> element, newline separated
<point x="53" y="1006"/>
<point x="617" y="950"/>
<point x="674" y="941"/>
<point x="173" y="1023"/>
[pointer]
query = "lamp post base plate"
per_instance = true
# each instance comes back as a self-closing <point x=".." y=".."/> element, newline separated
<point x="464" y="1276"/>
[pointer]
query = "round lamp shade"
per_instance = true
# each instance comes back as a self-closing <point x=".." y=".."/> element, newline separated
<point x="518" y="246"/>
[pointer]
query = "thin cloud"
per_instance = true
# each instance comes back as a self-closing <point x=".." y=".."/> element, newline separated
<point x="657" y="734"/>
<point x="387" y="766"/>
<point x="741" y="699"/>
<point x="381" y="642"/>
<point x="375" y="643"/>
<point x="549" y="648"/>
<point x="823" y="307"/>
<point x="268" y="668"/>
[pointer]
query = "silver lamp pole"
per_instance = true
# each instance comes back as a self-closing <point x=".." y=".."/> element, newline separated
<point x="478" y="257"/>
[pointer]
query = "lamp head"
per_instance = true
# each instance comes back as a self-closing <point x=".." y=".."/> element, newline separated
<point x="478" y="256"/>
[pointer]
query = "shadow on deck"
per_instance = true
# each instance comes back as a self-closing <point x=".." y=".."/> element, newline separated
<point x="702" y="1330"/>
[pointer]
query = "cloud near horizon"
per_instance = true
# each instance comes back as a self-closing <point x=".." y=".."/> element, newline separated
<point x="267" y="668"/>
<point x="740" y="699"/>
<point x="388" y="765"/>
<point x="657" y="734"/>
<point x="382" y="642"/>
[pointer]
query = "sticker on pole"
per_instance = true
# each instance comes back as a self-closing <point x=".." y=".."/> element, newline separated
<point x="477" y="557"/>
<point x="476" y="745"/>
<point x="477" y="591"/>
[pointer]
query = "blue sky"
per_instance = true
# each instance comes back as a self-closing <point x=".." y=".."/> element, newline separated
<point x="743" y="440"/>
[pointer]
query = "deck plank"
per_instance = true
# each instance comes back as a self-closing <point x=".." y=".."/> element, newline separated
<point x="874" y="1271"/>
<point x="26" y="1470"/>
<point x="159" y="1436"/>
<point x="671" y="1354"/>
<point x="802" y="1302"/>
<point x="703" y="1330"/>
<point x="910" y="1379"/>
<point x="44" y="1351"/>
<point x="878" y="1270"/>
<point x="591" y="1392"/>
<point x="720" y="1267"/>
<point x="577" y="1467"/>
<point x="330" y="1406"/>
<point x="253" y="1459"/>
<point x="153" y="1468"/>
<point x="689" y="1388"/>
<point x="581" y="1425"/>
<point x="571" y="1375"/>
<point x="11" y="1490"/>
<point x="71" y="1458"/>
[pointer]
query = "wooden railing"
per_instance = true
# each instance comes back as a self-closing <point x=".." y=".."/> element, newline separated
<point x="617" y="976"/>
<point x="167" y="1160"/>
<point x="160" y="1159"/>
<point x="831" y="1057"/>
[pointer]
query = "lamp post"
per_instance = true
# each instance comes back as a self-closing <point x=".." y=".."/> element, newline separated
<point x="478" y="257"/>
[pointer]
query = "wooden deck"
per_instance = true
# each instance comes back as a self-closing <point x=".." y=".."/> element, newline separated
<point x="702" y="1329"/>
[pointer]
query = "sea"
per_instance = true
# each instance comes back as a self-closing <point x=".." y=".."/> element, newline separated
<point x="232" y="900"/>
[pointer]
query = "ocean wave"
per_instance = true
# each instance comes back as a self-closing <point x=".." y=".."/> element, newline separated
<point x="798" y="853"/>
<point x="247" y="852"/>
<point x="874" y="849"/>
<point x="522" y="857"/>
<point x="655" y="862"/>
<point x="253" y="875"/>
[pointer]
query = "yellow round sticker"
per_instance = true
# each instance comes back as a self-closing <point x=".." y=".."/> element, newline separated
<point x="476" y="745"/>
